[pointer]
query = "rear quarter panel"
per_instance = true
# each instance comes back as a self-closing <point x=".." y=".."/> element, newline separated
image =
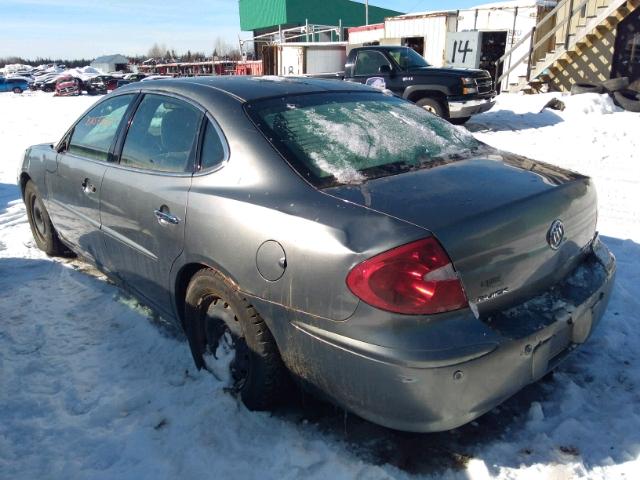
<point x="257" y="197"/>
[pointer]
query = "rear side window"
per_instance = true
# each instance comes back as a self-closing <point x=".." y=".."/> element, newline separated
<point x="369" y="62"/>
<point x="162" y="135"/>
<point x="338" y="138"/>
<point x="93" y="135"/>
<point x="213" y="152"/>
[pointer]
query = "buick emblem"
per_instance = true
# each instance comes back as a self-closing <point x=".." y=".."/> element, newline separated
<point x="555" y="235"/>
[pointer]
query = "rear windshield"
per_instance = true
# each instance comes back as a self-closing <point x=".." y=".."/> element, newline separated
<point x="347" y="138"/>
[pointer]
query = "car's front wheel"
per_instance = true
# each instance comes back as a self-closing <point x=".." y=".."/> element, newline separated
<point x="230" y="339"/>
<point x="44" y="233"/>
<point x="432" y="105"/>
<point x="17" y="90"/>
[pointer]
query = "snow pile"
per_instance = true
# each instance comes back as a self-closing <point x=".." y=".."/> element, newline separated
<point x="590" y="136"/>
<point x="589" y="103"/>
<point x="13" y="68"/>
<point x="83" y="73"/>
<point x="51" y="72"/>
<point x="93" y="386"/>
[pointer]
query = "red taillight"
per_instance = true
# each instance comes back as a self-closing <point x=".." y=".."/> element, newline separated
<point x="416" y="278"/>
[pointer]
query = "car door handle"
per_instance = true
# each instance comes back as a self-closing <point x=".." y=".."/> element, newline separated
<point x="165" y="218"/>
<point x="87" y="187"/>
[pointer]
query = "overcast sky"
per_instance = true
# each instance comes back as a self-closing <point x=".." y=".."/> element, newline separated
<point x="83" y="28"/>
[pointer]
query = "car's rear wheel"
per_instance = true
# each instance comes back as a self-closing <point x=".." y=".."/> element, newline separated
<point x="17" y="90"/>
<point x="44" y="233"/>
<point x="432" y="105"/>
<point x="229" y="338"/>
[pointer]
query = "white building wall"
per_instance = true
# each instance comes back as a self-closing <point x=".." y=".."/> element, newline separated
<point x="291" y="60"/>
<point x="432" y="28"/>
<point x="502" y="19"/>
<point x="104" y="67"/>
<point x="366" y="36"/>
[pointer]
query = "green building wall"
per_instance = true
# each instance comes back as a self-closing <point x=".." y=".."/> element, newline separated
<point x="262" y="14"/>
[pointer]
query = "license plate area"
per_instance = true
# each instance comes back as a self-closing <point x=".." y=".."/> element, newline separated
<point x="548" y="353"/>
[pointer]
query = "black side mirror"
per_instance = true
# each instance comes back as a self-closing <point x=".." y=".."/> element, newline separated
<point x="385" y="69"/>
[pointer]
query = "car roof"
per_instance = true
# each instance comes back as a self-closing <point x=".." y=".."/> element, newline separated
<point x="248" y="88"/>
<point x="380" y="47"/>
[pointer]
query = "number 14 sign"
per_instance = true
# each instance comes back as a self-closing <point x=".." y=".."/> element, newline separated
<point x="463" y="49"/>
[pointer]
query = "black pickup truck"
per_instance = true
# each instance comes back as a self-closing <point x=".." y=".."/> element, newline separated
<point x="452" y="93"/>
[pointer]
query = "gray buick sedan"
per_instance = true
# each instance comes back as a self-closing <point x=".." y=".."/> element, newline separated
<point x="330" y="233"/>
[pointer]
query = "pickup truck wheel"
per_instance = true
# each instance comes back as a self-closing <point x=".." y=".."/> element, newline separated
<point x="230" y="339"/>
<point x="459" y="121"/>
<point x="432" y="105"/>
<point x="42" y="229"/>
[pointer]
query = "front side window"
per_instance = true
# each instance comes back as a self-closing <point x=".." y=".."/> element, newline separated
<point x="162" y="135"/>
<point x="93" y="135"/>
<point x="407" y="58"/>
<point x="342" y="138"/>
<point x="369" y="62"/>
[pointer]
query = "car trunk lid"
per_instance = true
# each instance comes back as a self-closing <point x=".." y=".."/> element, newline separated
<point x="492" y="213"/>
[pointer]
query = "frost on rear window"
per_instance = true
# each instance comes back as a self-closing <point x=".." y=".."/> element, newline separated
<point x="343" y="137"/>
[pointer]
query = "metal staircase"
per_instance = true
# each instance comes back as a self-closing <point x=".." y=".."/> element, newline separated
<point x="571" y="33"/>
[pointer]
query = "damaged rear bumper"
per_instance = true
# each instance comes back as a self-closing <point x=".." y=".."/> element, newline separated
<point x="424" y="391"/>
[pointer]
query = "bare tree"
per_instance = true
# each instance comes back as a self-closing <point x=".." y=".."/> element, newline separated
<point x="156" y="51"/>
<point x="220" y="47"/>
<point x="234" y="54"/>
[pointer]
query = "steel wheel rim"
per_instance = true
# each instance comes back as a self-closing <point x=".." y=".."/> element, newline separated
<point x="430" y="109"/>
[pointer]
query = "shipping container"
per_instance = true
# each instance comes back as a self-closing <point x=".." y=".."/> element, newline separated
<point x="310" y="58"/>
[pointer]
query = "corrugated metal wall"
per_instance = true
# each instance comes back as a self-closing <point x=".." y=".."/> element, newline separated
<point x="259" y="14"/>
<point x="325" y="59"/>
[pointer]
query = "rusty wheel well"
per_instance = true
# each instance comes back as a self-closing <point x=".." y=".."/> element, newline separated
<point x="184" y="277"/>
<point x="182" y="283"/>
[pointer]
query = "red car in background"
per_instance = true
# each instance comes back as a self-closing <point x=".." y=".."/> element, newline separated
<point x="68" y="86"/>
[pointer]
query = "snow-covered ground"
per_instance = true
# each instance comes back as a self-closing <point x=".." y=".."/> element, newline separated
<point x="93" y="386"/>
